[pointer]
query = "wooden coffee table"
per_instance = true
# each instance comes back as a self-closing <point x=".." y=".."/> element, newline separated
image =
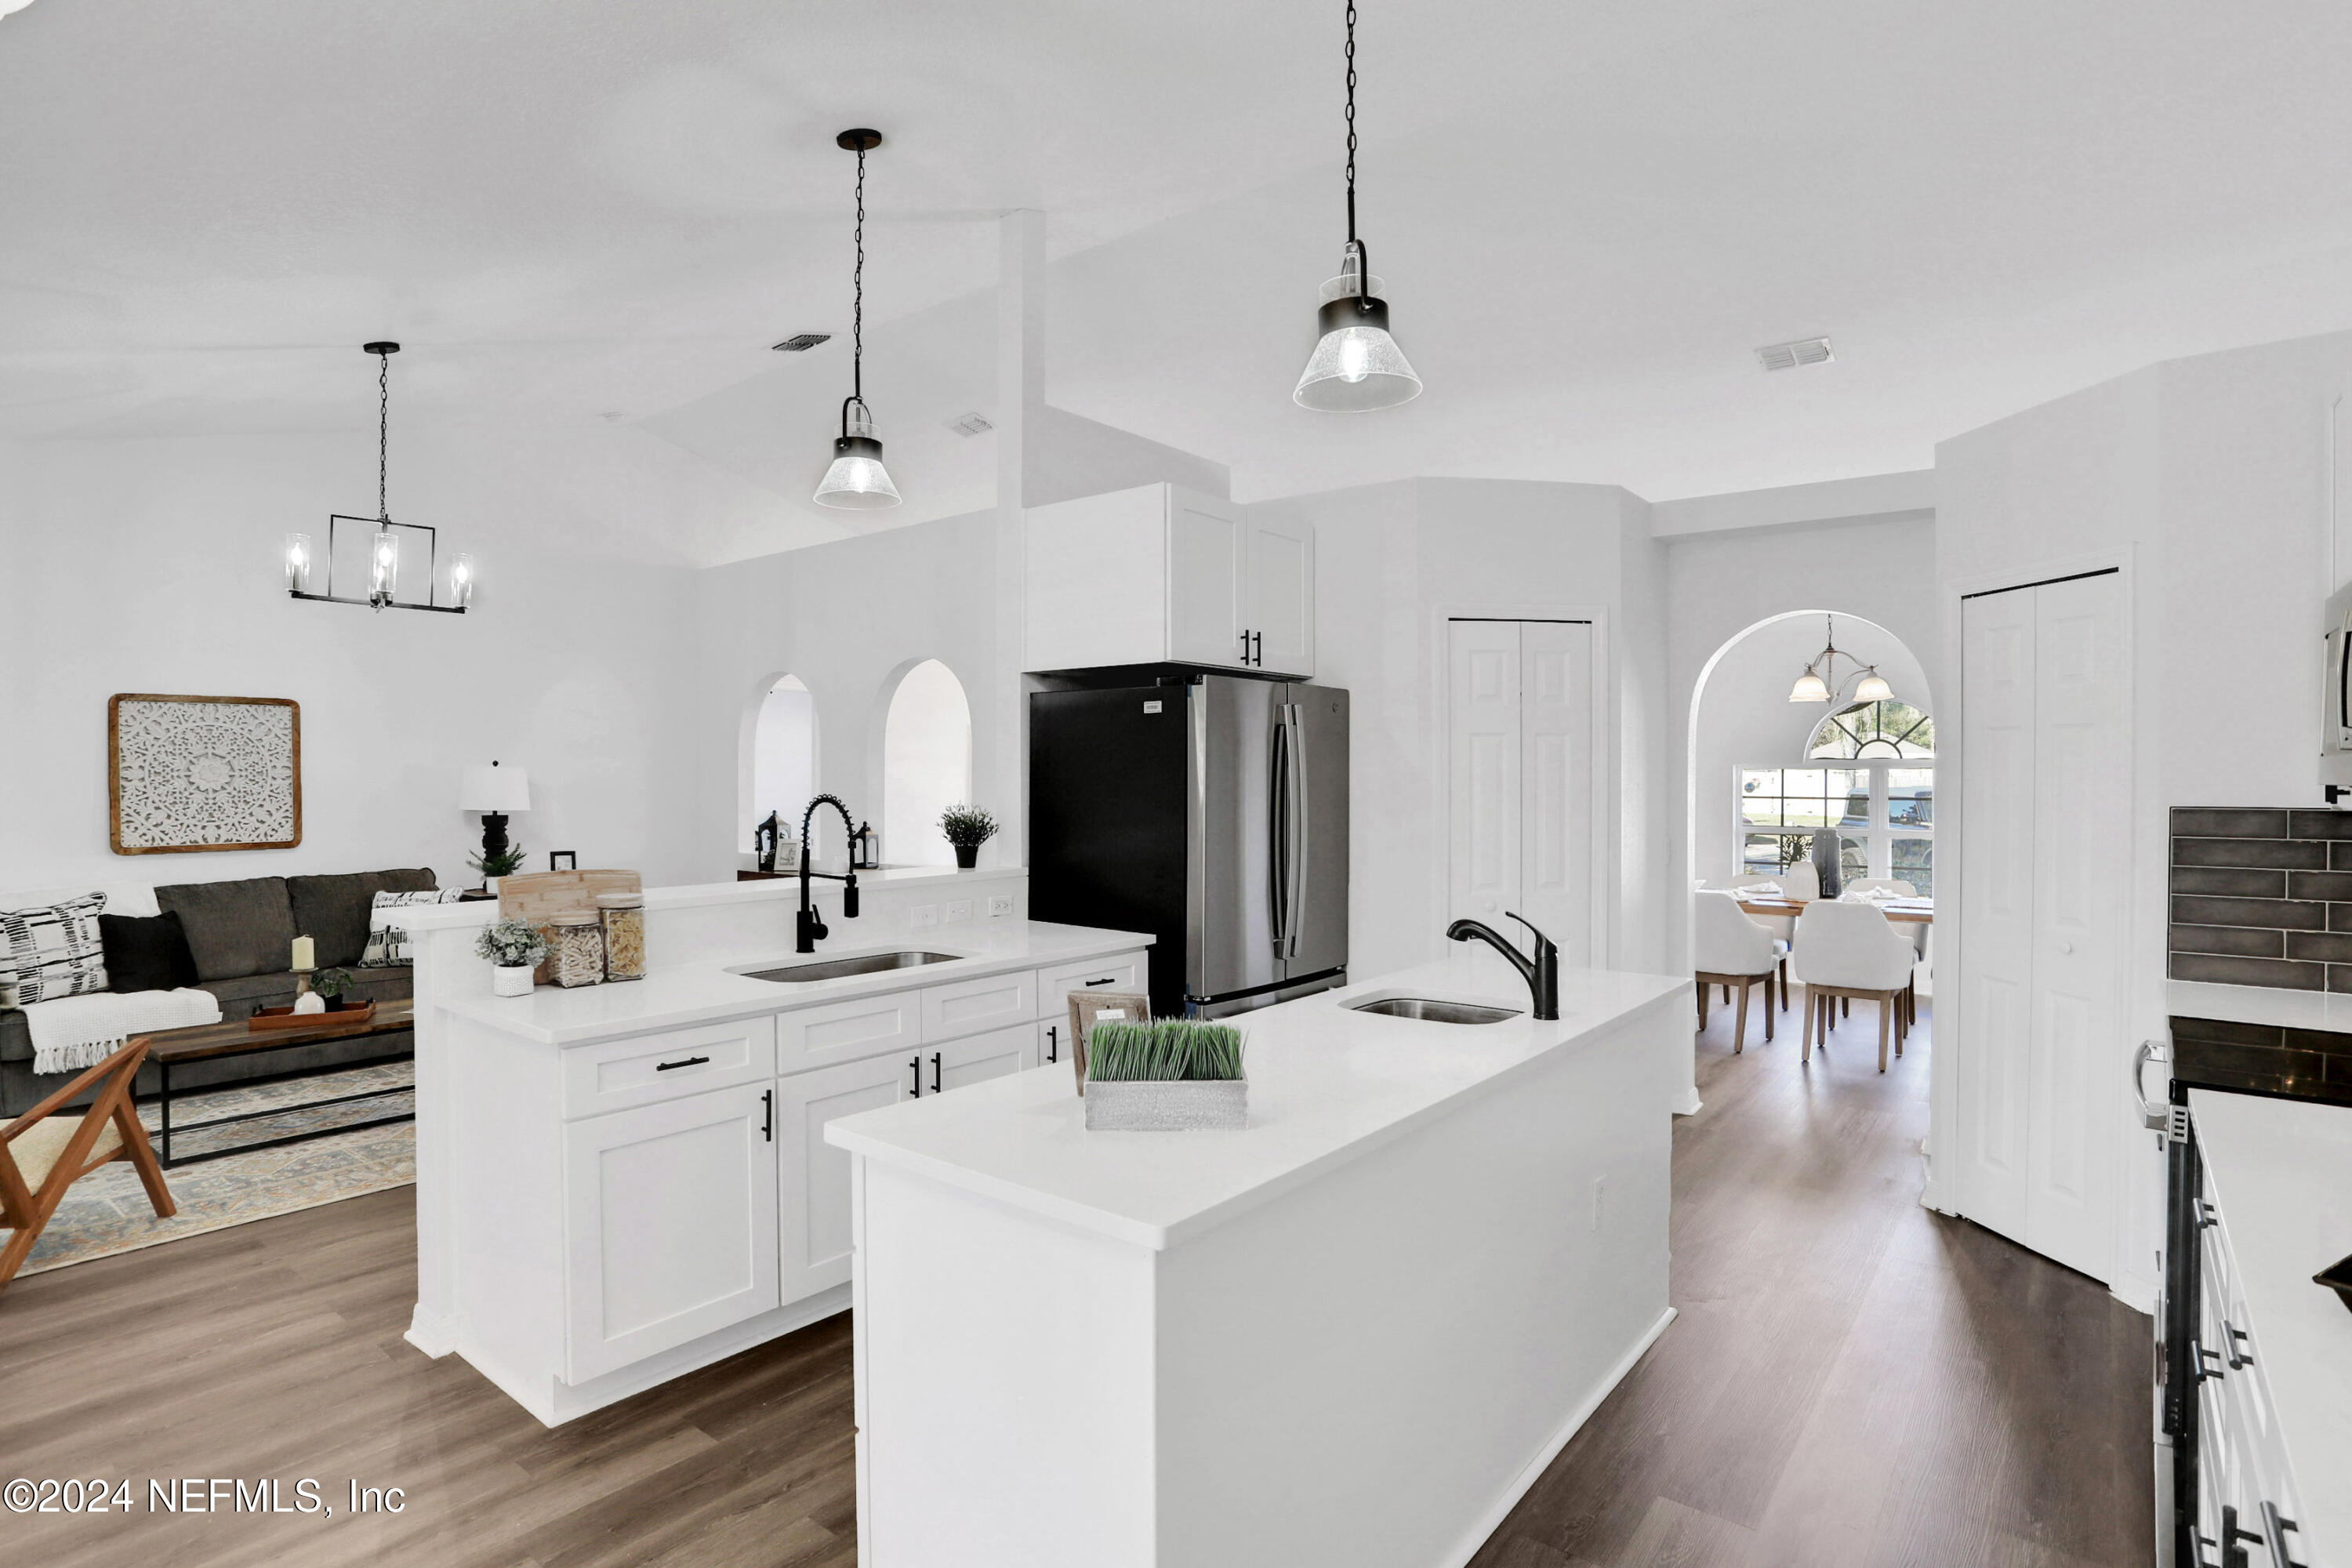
<point x="210" y="1042"/>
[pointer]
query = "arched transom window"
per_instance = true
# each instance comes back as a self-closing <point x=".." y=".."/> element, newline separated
<point x="1875" y="732"/>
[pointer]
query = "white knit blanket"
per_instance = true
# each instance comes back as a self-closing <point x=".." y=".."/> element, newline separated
<point x="76" y="1032"/>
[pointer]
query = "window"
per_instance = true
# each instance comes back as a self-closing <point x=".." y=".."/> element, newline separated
<point x="926" y="765"/>
<point x="1884" y="813"/>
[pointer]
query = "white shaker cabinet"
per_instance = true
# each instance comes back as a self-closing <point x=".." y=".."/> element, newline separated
<point x="979" y="1058"/>
<point x="813" y="1178"/>
<point x="1163" y="574"/>
<point x="671" y="1224"/>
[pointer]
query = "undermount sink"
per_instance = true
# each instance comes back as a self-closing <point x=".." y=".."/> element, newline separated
<point x="842" y="968"/>
<point x="1429" y="1010"/>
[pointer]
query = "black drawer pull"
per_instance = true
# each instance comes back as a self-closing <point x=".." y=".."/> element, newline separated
<point x="917" y="1064"/>
<point x="768" y="1117"/>
<point x="935" y="1072"/>
<point x="688" y="1062"/>
<point x="1053" y="1043"/>
<point x="1106" y="980"/>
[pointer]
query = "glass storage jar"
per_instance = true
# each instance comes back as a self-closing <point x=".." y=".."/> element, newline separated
<point x="624" y="915"/>
<point x="576" y="948"/>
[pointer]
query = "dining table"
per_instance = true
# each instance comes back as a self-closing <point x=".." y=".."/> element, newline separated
<point x="1912" y="911"/>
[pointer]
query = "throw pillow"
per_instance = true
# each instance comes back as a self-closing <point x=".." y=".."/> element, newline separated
<point x="149" y="953"/>
<point x="387" y="945"/>
<point x="50" y="953"/>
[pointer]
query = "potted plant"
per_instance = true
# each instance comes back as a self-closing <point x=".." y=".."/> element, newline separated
<point x="514" y="950"/>
<point x="494" y="863"/>
<point x="334" y="986"/>
<point x="1170" y="1075"/>
<point x="967" y="827"/>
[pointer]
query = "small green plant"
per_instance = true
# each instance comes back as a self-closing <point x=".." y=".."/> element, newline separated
<point x="503" y="863"/>
<point x="967" y="826"/>
<point x="1165" y="1050"/>
<point x="332" y="982"/>
<point x="510" y="944"/>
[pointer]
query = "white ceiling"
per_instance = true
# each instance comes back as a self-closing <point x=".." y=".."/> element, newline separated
<point x="1589" y="216"/>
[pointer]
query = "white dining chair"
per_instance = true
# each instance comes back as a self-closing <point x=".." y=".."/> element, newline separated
<point x="1799" y="882"/>
<point x="1850" y="951"/>
<point x="1915" y="930"/>
<point x="1732" y="949"/>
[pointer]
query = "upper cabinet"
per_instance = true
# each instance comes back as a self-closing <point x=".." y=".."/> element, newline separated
<point x="1163" y="574"/>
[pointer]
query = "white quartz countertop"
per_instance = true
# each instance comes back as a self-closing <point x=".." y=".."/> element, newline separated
<point x="705" y="993"/>
<point x="1327" y="1084"/>
<point x="2282" y="1173"/>
<point x="2258" y="1004"/>
<point x="689" y="895"/>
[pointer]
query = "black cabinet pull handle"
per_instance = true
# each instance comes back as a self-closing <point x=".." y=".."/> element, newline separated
<point x="1259" y="659"/>
<point x="1245" y="647"/>
<point x="935" y="1072"/>
<point x="1053" y="1043"/>
<point x="918" y="1065"/>
<point x="688" y="1062"/>
<point x="1106" y="980"/>
<point x="768" y="1123"/>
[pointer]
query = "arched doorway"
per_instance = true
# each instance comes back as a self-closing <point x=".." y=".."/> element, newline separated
<point x="926" y="764"/>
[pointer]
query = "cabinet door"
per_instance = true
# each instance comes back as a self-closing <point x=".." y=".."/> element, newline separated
<point x="813" y="1176"/>
<point x="671" y="1211"/>
<point x="1207" y="566"/>
<point x="1280" y="610"/>
<point x="960" y="1062"/>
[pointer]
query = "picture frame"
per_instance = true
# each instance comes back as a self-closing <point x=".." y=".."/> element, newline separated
<point x="188" y="773"/>
<point x="1086" y="1007"/>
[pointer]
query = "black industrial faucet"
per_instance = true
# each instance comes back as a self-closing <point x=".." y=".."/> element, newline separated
<point x="807" y="929"/>
<point x="1541" y="972"/>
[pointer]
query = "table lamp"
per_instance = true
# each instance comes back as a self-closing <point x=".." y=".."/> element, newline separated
<point x="494" y="791"/>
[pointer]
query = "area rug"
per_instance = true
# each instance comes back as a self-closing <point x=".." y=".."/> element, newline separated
<point x="107" y="1212"/>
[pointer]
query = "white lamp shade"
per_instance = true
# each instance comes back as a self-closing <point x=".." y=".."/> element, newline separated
<point x="1809" y="688"/>
<point x="493" y="788"/>
<point x="1872" y="688"/>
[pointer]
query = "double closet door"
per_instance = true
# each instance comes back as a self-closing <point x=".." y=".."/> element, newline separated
<point x="2046" y="882"/>
<point x="1521" y="749"/>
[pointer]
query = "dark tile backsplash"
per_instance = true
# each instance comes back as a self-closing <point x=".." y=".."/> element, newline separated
<point x="2265" y="1060"/>
<point x="2263" y="897"/>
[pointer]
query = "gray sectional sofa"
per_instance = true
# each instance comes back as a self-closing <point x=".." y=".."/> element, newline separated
<point x="242" y="935"/>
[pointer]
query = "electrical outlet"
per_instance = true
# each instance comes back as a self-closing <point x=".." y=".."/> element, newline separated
<point x="999" y="904"/>
<point x="1599" y="1202"/>
<point x="926" y="915"/>
<point x="960" y="909"/>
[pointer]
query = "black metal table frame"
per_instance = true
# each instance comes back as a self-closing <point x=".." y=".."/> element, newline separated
<point x="171" y="1161"/>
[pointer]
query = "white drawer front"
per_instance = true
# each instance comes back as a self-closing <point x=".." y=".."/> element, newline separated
<point x="1120" y="972"/>
<point x="612" y="1075"/>
<point x="969" y="1007"/>
<point x="847" y="1031"/>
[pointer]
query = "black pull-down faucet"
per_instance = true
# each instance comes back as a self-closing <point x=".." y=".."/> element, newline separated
<point x="1541" y="972"/>
<point x="807" y="929"/>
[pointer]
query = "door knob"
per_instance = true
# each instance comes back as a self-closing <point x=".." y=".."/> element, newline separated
<point x="2065" y="947"/>
<point x="1487" y="905"/>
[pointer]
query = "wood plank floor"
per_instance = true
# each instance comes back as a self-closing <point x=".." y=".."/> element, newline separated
<point x="1852" y="1380"/>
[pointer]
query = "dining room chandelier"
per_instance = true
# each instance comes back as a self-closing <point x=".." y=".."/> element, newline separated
<point x="856" y="479"/>
<point x="384" y="536"/>
<point x="1822" y="681"/>
<point x="1355" y="366"/>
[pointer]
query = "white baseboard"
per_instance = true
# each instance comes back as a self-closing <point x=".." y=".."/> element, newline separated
<point x="1492" y="1519"/>
<point x="433" y="1334"/>
<point x="1691" y="1103"/>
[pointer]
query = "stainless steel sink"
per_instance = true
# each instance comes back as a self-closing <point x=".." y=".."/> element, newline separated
<point x="1431" y="1011"/>
<point x="842" y="968"/>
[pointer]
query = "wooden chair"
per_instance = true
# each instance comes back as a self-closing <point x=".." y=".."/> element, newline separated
<point x="46" y="1150"/>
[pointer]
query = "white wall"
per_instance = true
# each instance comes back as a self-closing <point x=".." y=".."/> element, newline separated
<point x="784" y="756"/>
<point x="153" y="565"/>
<point x="926" y="765"/>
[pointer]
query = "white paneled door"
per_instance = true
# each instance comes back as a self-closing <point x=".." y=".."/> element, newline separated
<point x="1520" y="770"/>
<point x="2046" y="799"/>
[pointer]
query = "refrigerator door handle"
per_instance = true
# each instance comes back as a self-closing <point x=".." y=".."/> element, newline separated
<point x="1295" y="760"/>
<point x="1277" y="832"/>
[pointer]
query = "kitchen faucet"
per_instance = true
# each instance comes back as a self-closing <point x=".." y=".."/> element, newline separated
<point x="807" y="929"/>
<point x="1541" y="972"/>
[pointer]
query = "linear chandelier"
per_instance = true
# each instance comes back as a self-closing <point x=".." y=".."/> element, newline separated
<point x="384" y="545"/>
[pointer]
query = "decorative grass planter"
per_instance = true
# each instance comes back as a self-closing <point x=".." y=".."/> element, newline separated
<point x="1146" y="1106"/>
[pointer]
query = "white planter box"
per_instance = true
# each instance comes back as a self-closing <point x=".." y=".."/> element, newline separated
<point x="1216" y="1106"/>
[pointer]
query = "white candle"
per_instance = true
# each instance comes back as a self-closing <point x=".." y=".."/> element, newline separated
<point x="305" y="953"/>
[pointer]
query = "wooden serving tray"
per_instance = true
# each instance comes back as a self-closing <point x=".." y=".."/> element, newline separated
<point x="287" y="1019"/>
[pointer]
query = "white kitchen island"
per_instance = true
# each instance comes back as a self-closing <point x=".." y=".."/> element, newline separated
<point x="1353" y="1333"/>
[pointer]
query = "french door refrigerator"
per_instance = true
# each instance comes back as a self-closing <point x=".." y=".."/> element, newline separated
<point x="1211" y="811"/>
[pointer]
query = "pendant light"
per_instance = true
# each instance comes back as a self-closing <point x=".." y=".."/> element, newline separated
<point x="858" y="480"/>
<point x="383" y="544"/>
<point x="1355" y="366"/>
<point x="1815" y="684"/>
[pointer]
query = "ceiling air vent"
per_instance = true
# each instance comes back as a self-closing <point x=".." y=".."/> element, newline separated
<point x="801" y="342"/>
<point x="971" y="425"/>
<point x="1788" y="356"/>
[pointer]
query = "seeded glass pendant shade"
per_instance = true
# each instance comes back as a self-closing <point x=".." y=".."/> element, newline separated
<point x="1355" y="366"/>
<point x="857" y="481"/>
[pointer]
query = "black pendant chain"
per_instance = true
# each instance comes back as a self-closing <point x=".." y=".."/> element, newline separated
<point x="382" y="433"/>
<point x="857" y="308"/>
<point x="1351" y="126"/>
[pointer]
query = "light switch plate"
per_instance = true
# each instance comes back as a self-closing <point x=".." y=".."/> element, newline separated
<point x="960" y="909"/>
<point x="999" y="904"/>
<point x="926" y="915"/>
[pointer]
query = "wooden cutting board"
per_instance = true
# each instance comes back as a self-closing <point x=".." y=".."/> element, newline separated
<point x="538" y="896"/>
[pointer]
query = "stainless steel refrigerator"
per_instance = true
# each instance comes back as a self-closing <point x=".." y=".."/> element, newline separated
<point x="1211" y="811"/>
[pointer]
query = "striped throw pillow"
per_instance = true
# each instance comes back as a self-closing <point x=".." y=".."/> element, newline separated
<point x="50" y="953"/>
